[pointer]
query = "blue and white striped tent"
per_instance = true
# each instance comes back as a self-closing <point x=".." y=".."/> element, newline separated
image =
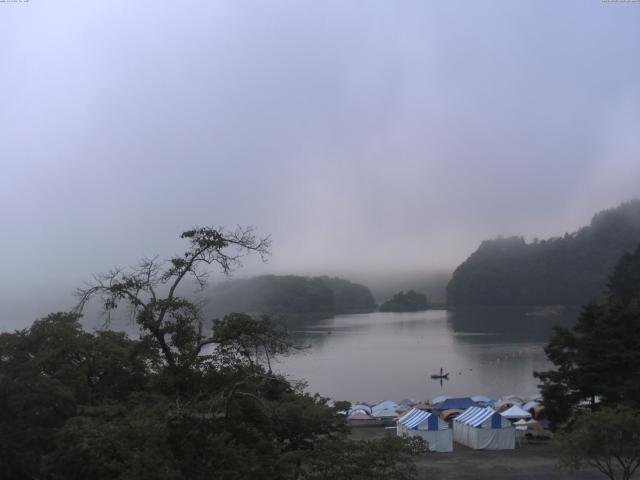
<point x="484" y="428"/>
<point x="428" y="426"/>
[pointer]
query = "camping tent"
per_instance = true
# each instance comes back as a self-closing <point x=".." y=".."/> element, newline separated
<point x="386" y="406"/>
<point x="513" y="399"/>
<point x="450" y="414"/>
<point x="484" y="428"/>
<point x="538" y="412"/>
<point x="515" y="413"/>
<point x="386" y="411"/>
<point x="527" y="407"/>
<point x="439" y="399"/>
<point x="507" y="402"/>
<point x="360" y="406"/>
<point x="464" y="402"/>
<point x="535" y="426"/>
<point x="359" y="415"/>
<point x="482" y="399"/>
<point x="360" y="418"/>
<point x="521" y="425"/>
<point x="428" y="426"/>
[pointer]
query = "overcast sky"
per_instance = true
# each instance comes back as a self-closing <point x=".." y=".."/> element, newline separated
<point x="364" y="136"/>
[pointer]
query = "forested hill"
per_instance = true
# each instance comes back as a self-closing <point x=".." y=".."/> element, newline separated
<point x="290" y="295"/>
<point x="568" y="270"/>
<point x="411" y="301"/>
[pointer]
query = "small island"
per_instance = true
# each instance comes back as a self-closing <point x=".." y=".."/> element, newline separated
<point x="411" y="301"/>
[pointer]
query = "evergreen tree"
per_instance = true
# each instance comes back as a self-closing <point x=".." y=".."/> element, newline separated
<point x="599" y="356"/>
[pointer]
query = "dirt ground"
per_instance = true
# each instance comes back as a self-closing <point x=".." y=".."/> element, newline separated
<point x="531" y="461"/>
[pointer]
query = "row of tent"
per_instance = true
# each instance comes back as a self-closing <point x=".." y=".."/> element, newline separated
<point x="512" y="407"/>
<point x="382" y="409"/>
<point x="383" y="413"/>
<point x="526" y="403"/>
<point x="477" y="427"/>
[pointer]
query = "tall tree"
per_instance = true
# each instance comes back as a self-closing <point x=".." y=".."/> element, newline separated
<point x="598" y="357"/>
<point x="152" y="289"/>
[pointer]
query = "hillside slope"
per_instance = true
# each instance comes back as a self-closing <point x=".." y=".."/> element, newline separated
<point x="568" y="270"/>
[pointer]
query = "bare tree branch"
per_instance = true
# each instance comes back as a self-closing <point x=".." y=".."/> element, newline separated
<point x="173" y="322"/>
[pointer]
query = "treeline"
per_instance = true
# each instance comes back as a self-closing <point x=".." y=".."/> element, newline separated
<point x="568" y="270"/>
<point x="291" y="295"/>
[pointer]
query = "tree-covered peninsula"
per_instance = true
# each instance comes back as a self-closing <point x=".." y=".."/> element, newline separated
<point x="291" y="296"/>
<point x="568" y="270"/>
<point x="411" y="301"/>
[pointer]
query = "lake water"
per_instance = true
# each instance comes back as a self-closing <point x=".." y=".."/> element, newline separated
<point x="377" y="356"/>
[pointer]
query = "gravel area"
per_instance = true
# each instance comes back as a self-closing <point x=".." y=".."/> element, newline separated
<point x="531" y="461"/>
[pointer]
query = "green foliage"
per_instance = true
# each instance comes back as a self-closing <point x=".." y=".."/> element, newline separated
<point x="624" y="283"/>
<point x="599" y="356"/>
<point x="608" y="440"/>
<point x="349" y="297"/>
<point x="48" y="373"/>
<point x="176" y="403"/>
<point x="127" y="440"/>
<point x="81" y="405"/>
<point x="405" y="302"/>
<point x="569" y="270"/>
<point x="292" y="296"/>
<point x="384" y="459"/>
<point x="242" y="338"/>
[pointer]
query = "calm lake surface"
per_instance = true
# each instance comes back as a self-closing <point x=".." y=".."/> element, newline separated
<point x="377" y="356"/>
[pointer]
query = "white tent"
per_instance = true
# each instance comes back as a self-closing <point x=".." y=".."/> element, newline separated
<point x="360" y="418"/>
<point x="428" y="426"/>
<point x="484" y="428"/>
<point x="530" y="404"/>
<point x="513" y="399"/>
<point x="386" y="406"/>
<point x="515" y="412"/>
<point x="360" y="406"/>
<point x="386" y="413"/>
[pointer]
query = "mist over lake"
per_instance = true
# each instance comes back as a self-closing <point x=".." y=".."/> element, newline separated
<point x="411" y="189"/>
<point x="376" y="356"/>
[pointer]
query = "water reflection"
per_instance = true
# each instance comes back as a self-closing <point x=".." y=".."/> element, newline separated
<point x="508" y="324"/>
<point x="385" y="355"/>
